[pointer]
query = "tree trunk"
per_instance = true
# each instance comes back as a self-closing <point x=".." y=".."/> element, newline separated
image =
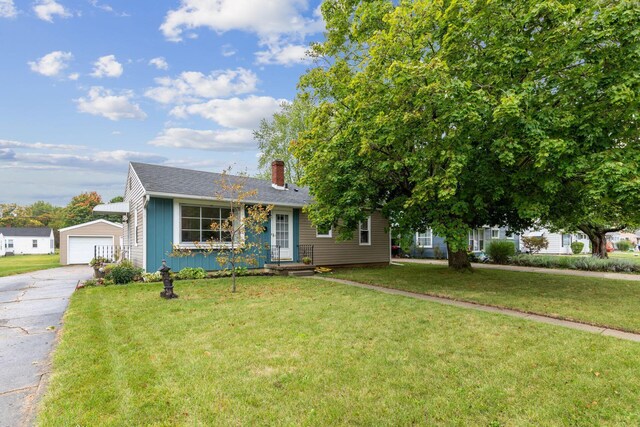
<point x="458" y="260"/>
<point x="599" y="245"/>
<point x="598" y="238"/>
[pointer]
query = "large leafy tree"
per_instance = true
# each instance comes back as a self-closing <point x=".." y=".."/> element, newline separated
<point x="457" y="114"/>
<point x="80" y="208"/>
<point x="275" y="135"/>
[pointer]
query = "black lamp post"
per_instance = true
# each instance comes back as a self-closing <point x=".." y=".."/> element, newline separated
<point x="167" y="281"/>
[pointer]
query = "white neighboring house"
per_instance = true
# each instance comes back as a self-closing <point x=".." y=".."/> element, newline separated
<point x="559" y="243"/>
<point x="27" y="240"/>
<point x="1" y="244"/>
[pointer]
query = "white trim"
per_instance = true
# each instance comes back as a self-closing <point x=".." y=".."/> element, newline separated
<point x="135" y="224"/>
<point x="217" y="199"/>
<point x="144" y="231"/>
<point x="177" y="220"/>
<point x="83" y="235"/>
<point x="495" y="229"/>
<point x="325" y="236"/>
<point x="430" y="246"/>
<point x="273" y="231"/>
<point x="368" y="231"/>
<point x="102" y="221"/>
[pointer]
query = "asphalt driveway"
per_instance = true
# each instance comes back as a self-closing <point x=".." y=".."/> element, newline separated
<point x="31" y="309"/>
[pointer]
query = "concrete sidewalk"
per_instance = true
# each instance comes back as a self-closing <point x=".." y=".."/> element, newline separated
<point x="601" y="275"/>
<point x="487" y="308"/>
<point x="31" y="309"/>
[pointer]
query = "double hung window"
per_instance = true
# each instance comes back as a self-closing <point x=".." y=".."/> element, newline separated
<point x="200" y="224"/>
<point x="425" y="240"/>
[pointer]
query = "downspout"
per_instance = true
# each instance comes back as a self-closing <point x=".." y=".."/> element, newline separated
<point x="144" y="231"/>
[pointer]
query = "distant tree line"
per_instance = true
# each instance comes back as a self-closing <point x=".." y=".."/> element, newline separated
<point x="44" y="214"/>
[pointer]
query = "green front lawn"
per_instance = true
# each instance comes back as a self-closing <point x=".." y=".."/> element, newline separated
<point x="631" y="256"/>
<point x="25" y="263"/>
<point x="285" y="351"/>
<point x="612" y="303"/>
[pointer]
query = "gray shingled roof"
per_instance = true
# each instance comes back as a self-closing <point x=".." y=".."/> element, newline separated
<point x="187" y="182"/>
<point x="25" y="231"/>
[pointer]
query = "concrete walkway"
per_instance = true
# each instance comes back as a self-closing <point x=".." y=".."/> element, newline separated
<point x="601" y="275"/>
<point x="487" y="308"/>
<point x="31" y="309"/>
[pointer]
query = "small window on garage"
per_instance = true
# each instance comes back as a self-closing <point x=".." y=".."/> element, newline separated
<point x="35" y="243"/>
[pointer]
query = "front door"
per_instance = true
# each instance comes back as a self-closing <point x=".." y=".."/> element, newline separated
<point x="282" y="235"/>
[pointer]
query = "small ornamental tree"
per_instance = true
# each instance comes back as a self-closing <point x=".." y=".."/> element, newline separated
<point x="535" y="244"/>
<point x="241" y="245"/>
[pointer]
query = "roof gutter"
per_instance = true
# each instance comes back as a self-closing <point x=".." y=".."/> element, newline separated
<point x="189" y="196"/>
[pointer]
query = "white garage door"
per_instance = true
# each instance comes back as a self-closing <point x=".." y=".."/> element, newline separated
<point x="81" y="248"/>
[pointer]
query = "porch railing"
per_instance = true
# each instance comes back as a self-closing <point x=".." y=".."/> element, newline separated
<point x="275" y="254"/>
<point x="305" y="251"/>
<point x="112" y="253"/>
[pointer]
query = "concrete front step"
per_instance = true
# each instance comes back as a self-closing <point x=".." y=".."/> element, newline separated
<point x="301" y="273"/>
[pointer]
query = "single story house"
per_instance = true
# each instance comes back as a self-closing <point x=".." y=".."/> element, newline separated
<point x="427" y="245"/>
<point x="623" y="235"/>
<point x="80" y="243"/>
<point x="169" y="206"/>
<point x="559" y="243"/>
<point x="27" y="240"/>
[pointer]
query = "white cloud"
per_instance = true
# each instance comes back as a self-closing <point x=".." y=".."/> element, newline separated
<point x="7" y="154"/>
<point x="220" y="140"/>
<point x="47" y="9"/>
<point x="256" y="16"/>
<point x="107" y="66"/>
<point x="107" y="8"/>
<point x="191" y="86"/>
<point x="6" y="143"/>
<point x="228" y="50"/>
<point x="233" y="113"/>
<point x="102" y="102"/>
<point x="160" y="63"/>
<point x="7" y="9"/>
<point x="73" y="76"/>
<point x="52" y="64"/>
<point x="282" y="54"/>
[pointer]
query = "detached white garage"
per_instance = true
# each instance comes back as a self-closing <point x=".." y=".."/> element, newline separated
<point x="77" y="243"/>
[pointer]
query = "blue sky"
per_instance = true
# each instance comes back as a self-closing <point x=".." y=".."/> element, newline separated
<point x="89" y="85"/>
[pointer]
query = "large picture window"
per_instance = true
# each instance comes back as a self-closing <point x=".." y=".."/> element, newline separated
<point x="195" y="224"/>
<point x="425" y="240"/>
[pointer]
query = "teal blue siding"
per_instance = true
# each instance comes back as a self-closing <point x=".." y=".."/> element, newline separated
<point x="160" y="240"/>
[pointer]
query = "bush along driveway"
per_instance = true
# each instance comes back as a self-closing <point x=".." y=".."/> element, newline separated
<point x="31" y="309"/>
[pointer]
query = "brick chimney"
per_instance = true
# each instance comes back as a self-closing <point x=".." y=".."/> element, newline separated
<point x="277" y="174"/>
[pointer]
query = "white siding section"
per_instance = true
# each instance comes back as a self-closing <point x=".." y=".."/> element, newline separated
<point x="24" y="245"/>
<point x="134" y="194"/>
<point x="555" y="242"/>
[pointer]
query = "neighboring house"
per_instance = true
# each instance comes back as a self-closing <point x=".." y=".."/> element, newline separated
<point x="2" y="249"/>
<point x="428" y="245"/>
<point x="80" y="243"/>
<point x="27" y="240"/>
<point x="166" y="206"/>
<point x="559" y="243"/>
<point x="622" y="235"/>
